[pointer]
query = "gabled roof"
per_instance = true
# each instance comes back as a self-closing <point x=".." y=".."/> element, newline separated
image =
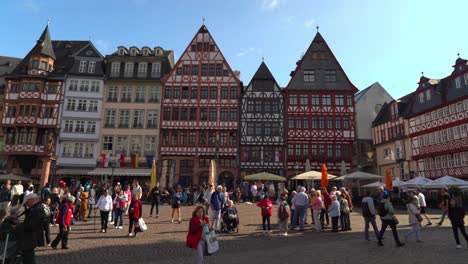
<point x="319" y="58"/>
<point x="7" y="64"/>
<point x="373" y="86"/>
<point x="44" y="44"/>
<point x="263" y="73"/>
<point x="262" y="78"/>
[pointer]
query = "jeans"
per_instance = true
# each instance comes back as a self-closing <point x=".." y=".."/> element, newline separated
<point x="316" y="215"/>
<point x="215" y="219"/>
<point x="266" y="223"/>
<point x="200" y="252"/>
<point x="61" y="236"/>
<point x="455" y="228"/>
<point x="416" y="229"/>
<point x="154" y="202"/>
<point x="118" y="215"/>
<point x="299" y="214"/>
<point x="345" y="222"/>
<point x="335" y="223"/>
<point x="324" y="216"/>
<point x="104" y="218"/>
<point x="283" y="225"/>
<point x="131" y="225"/>
<point x="385" y="224"/>
<point x="444" y="214"/>
<point x="370" y="220"/>
<point x="293" y="223"/>
<point x="91" y="207"/>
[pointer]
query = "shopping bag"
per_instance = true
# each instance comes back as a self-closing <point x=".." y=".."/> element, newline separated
<point x="142" y="224"/>
<point x="212" y="244"/>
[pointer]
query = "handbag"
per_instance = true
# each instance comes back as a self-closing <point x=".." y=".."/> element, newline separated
<point x="395" y="220"/>
<point x="419" y="217"/>
<point x="142" y="224"/>
<point x="212" y="244"/>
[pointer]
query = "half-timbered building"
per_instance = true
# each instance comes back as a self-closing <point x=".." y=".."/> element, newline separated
<point x="32" y="104"/>
<point x="262" y="129"/>
<point x="200" y="115"/>
<point x="320" y="114"/>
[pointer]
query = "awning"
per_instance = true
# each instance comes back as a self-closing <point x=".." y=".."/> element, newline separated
<point x="120" y="172"/>
<point x="73" y="171"/>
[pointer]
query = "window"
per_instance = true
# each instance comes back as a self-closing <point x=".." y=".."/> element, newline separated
<point x="138" y="118"/>
<point x="337" y="122"/>
<point x="293" y="99"/>
<point x="109" y="119"/>
<point x="387" y="153"/>
<point x="349" y="100"/>
<point x="67" y="150"/>
<point x="35" y="64"/>
<point x="233" y="115"/>
<point x="212" y="47"/>
<point x="213" y="93"/>
<point x="458" y="82"/>
<point x="204" y="69"/>
<point x="175" y="137"/>
<point x="303" y="99"/>
<point x="15" y="86"/>
<point x="121" y="51"/>
<point x="299" y="122"/>
<point x="153" y="94"/>
<point x="339" y="100"/>
<point x="73" y="86"/>
<point x="115" y="69"/>
<point x="233" y="93"/>
<point x="91" y="67"/>
<point x="465" y="77"/>
<point x="124" y="119"/>
<point x="43" y="65"/>
<point x="91" y="127"/>
<point x="203" y="114"/>
<point x="219" y="70"/>
<point x="329" y="122"/>
<point x="192" y="138"/>
<point x="186" y="69"/>
<point x="211" y="70"/>
<point x="145" y="52"/>
<point x="95" y="87"/>
<point x="82" y="67"/>
<point x="213" y="114"/>
<point x="142" y="69"/>
<point x="314" y="122"/>
<point x="193" y="114"/>
<point x="48" y="112"/>
<point x="321" y="122"/>
<point x="428" y="95"/>
<point x="71" y="104"/>
<point x="156" y="70"/>
<point x="140" y="94"/>
<point x="152" y="119"/>
<point x="68" y="127"/>
<point x="345" y="122"/>
<point x="456" y="159"/>
<point x="185" y="92"/>
<point x="193" y="47"/>
<point x="150" y="145"/>
<point x="421" y="97"/>
<point x="107" y="143"/>
<point x="167" y="114"/>
<point x="129" y="69"/>
<point x="84" y="86"/>
<point x="337" y="152"/>
<point x="93" y="106"/>
<point x="176" y="92"/>
<point x="133" y="52"/>
<point x="113" y="94"/>
<point x="122" y="144"/>
<point x="204" y="93"/>
<point x="309" y="76"/>
<point x="89" y="151"/>
<point x="195" y="70"/>
<point x="167" y="92"/>
<point x="126" y="95"/>
<point x="183" y="114"/>
<point x="223" y="138"/>
<point x="79" y="126"/>
<point x="224" y="114"/>
<point x="326" y="99"/>
<point x="78" y="150"/>
<point x="315" y="100"/>
<point x="330" y="76"/>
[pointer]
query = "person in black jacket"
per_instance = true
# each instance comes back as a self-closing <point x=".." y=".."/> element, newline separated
<point x="456" y="214"/>
<point x="27" y="232"/>
<point x="154" y="197"/>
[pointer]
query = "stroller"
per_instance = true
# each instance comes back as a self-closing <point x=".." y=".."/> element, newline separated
<point x="229" y="220"/>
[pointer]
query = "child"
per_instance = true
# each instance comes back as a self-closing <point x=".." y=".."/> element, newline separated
<point x="414" y="215"/>
<point x="283" y="215"/>
<point x="334" y="212"/>
<point x="266" y="206"/>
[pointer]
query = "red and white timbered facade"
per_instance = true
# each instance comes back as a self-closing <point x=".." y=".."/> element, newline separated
<point x="320" y="112"/>
<point x="200" y="114"/>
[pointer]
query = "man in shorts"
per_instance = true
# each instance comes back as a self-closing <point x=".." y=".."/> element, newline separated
<point x="422" y="206"/>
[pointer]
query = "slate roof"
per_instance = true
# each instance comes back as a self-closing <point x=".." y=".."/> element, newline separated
<point x="320" y="65"/>
<point x="7" y="64"/>
<point x="44" y="44"/>
<point x="263" y="80"/>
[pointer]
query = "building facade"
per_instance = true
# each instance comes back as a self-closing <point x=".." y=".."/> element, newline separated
<point x="78" y="145"/>
<point x="32" y="105"/>
<point x="129" y="134"/>
<point x="200" y="115"/>
<point x="368" y="104"/>
<point x="320" y="113"/>
<point x="262" y="131"/>
<point x="438" y="125"/>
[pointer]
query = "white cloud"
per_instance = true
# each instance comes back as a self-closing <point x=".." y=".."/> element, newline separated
<point x="245" y="52"/>
<point x="291" y="20"/>
<point x="32" y="5"/>
<point x="102" y="45"/>
<point x="270" y="4"/>
<point x="241" y="54"/>
<point x="309" y="23"/>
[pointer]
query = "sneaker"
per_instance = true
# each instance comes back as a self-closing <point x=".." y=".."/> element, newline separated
<point x="400" y="245"/>
<point x="380" y="243"/>
<point x="131" y="234"/>
<point x="429" y="224"/>
<point x="157" y="216"/>
<point x="103" y="231"/>
<point x="172" y="221"/>
<point x="111" y="222"/>
<point x="285" y="234"/>
<point x="120" y="227"/>
<point x="270" y="231"/>
<point x="116" y="227"/>
<point x="419" y="241"/>
<point x="458" y="246"/>
<point x="53" y="246"/>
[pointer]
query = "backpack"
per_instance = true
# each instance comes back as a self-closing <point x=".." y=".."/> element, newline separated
<point x="382" y="211"/>
<point x="365" y="210"/>
<point x="284" y="211"/>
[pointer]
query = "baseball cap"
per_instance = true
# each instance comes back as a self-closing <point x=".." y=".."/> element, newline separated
<point x="30" y="196"/>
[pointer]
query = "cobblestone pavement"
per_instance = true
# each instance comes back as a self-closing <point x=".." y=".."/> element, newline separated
<point x="164" y="242"/>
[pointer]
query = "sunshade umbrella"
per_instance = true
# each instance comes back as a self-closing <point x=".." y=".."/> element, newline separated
<point x="360" y="175"/>
<point x="311" y="175"/>
<point x="416" y="182"/>
<point x="264" y="176"/>
<point x="13" y="177"/>
<point x="446" y="181"/>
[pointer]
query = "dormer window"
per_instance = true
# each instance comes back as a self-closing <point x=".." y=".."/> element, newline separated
<point x="458" y="82"/>
<point x="43" y="66"/>
<point x="145" y="52"/>
<point x="82" y="67"/>
<point x="330" y="76"/>
<point x="428" y="95"/>
<point x="35" y="64"/>
<point x="421" y="97"/>
<point x="121" y="51"/>
<point x="157" y="52"/>
<point x="133" y="52"/>
<point x="309" y="76"/>
<point x="466" y="78"/>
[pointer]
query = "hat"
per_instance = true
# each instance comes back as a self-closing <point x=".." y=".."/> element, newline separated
<point x="62" y="183"/>
<point x="30" y="196"/>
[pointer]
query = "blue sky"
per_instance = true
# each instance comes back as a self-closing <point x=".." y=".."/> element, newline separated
<point x="390" y="41"/>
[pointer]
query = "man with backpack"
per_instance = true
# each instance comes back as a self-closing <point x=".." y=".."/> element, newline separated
<point x="369" y="212"/>
<point x="387" y="215"/>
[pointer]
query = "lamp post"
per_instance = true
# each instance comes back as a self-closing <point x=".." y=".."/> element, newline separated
<point x="296" y="167"/>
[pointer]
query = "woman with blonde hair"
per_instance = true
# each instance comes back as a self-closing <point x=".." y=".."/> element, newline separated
<point x="317" y="205"/>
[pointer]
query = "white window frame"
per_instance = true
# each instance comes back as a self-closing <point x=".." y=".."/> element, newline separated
<point x="83" y="66"/>
<point x="421" y="97"/>
<point x="84" y="86"/>
<point x="121" y="144"/>
<point x="81" y="106"/>
<point x="142" y="69"/>
<point x="156" y="70"/>
<point x="91" y="127"/>
<point x="108" y="140"/>
<point x="138" y="118"/>
<point x="458" y="82"/>
<point x="456" y="159"/>
<point x="93" y="106"/>
<point x="91" y="66"/>
<point x="95" y="87"/>
<point x="133" y="52"/>
<point x="79" y="126"/>
<point x="428" y="95"/>
<point x="151" y="143"/>
<point x="126" y="94"/>
<point x="309" y="76"/>
<point x="124" y="118"/>
<point x="121" y="52"/>
<point x="71" y="105"/>
<point x="113" y="94"/>
<point x="110" y="118"/>
<point x="154" y="94"/>
<point x="129" y="68"/>
<point x="115" y="69"/>
<point x="73" y="86"/>
<point x="140" y="94"/>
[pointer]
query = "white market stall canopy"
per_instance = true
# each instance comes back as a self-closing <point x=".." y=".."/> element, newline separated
<point x="120" y="172"/>
<point x="446" y="181"/>
<point x="311" y="175"/>
<point x="360" y="175"/>
<point x="13" y="177"/>
<point x="395" y="183"/>
<point x="264" y="176"/>
<point x="416" y="182"/>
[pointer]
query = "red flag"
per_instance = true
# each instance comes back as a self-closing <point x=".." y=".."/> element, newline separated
<point x="122" y="160"/>
<point x="103" y="160"/>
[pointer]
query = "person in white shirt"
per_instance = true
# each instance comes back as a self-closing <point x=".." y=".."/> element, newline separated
<point x="17" y="191"/>
<point x="422" y="206"/>
<point x="300" y="202"/>
<point x="253" y="190"/>
<point x="104" y="205"/>
<point x="207" y="198"/>
<point x="137" y="189"/>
